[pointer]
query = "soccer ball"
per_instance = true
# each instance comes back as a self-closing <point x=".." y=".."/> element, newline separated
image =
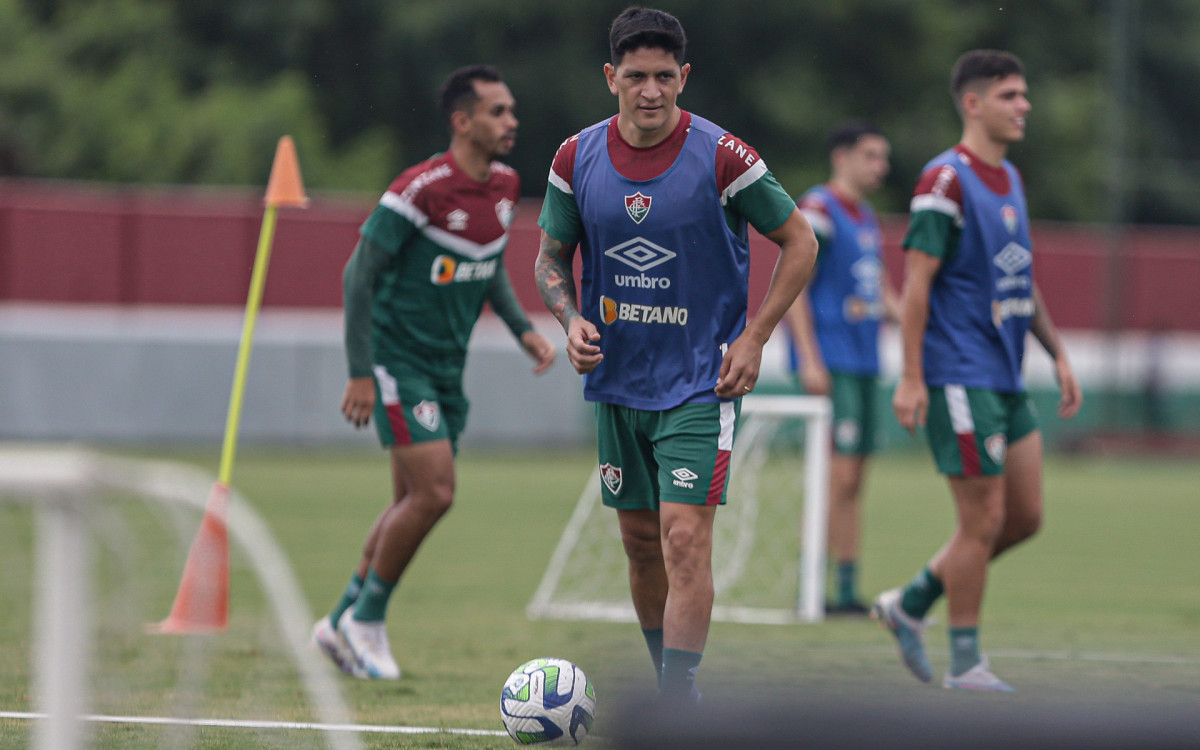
<point x="547" y="702"/>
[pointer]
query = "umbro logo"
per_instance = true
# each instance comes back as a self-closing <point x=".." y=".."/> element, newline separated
<point x="1013" y="258"/>
<point x="867" y="271"/>
<point x="684" y="477"/>
<point x="640" y="254"/>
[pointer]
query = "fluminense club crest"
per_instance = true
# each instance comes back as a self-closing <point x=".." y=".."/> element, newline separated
<point x="638" y="206"/>
<point x="996" y="446"/>
<point x="612" y="477"/>
<point x="504" y="212"/>
<point x="426" y="414"/>
<point x="1009" y="215"/>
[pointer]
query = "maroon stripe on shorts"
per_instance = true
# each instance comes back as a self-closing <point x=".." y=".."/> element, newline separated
<point x="968" y="450"/>
<point x="400" y="433"/>
<point x="720" y="469"/>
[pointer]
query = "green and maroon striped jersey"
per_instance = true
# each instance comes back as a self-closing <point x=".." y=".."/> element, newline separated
<point x="446" y="233"/>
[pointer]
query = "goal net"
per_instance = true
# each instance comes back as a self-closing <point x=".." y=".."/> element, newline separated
<point x="90" y="551"/>
<point x="768" y="540"/>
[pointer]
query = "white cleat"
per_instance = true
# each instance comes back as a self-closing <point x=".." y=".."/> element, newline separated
<point x="368" y="643"/>
<point x="333" y="645"/>
<point x="978" y="677"/>
<point x="908" y="632"/>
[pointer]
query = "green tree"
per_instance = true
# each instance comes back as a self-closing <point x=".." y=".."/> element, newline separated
<point x="180" y="91"/>
<point x="108" y="91"/>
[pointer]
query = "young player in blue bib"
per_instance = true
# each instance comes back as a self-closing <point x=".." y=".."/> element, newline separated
<point x="968" y="301"/>
<point x="834" y="327"/>
<point x="657" y="201"/>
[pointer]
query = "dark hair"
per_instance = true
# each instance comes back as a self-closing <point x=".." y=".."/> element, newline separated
<point x="458" y="90"/>
<point x="982" y="65"/>
<point x="638" y="27"/>
<point x="848" y="134"/>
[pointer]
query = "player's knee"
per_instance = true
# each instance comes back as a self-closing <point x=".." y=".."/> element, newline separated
<point x="642" y="549"/>
<point x="436" y="499"/>
<point x="687" y="547"/>
<point x="985" y="526"/>
<point x="1024" y="525"/>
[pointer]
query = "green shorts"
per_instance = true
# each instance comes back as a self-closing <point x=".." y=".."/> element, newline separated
<point x="854" y="422"/>
<point x="680" y="455"/>
<point x="970" y="429"/>
<point x="414" y="407"/>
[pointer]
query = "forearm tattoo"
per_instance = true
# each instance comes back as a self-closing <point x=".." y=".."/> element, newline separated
<point x="1041" y="327"/>
<point x="555" y="282"/>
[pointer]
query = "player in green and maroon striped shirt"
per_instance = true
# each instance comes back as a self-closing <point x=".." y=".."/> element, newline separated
<point x="430" y="254"/>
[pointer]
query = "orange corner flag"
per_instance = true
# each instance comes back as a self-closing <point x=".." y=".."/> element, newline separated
<point x="285" y="187"/>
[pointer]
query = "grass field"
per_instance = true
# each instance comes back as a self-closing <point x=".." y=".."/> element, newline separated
<point x="1101" y="609"/>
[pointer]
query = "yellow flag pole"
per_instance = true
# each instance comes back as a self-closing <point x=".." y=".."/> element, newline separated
<point x="202" y="601"/>
<point x="257" y="281"/>
<point x="285" y="188"/>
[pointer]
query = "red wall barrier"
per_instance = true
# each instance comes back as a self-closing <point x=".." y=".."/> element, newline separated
<point x="63" y="242"/>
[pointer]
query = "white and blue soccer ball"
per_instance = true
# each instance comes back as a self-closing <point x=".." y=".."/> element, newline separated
<point x="548" y="702"/>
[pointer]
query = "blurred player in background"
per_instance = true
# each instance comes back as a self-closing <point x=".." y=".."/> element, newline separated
<point x="658" y="200"/>
<point x="430" y="254"/>
<point x="968" y="301"/>
<point x="834" y="328"/>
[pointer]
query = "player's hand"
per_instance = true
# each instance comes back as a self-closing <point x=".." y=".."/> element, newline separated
<point x="540" y="349"/>
<point x="582" y="350"/>
<point x="359" y="401"/>
<point x="815" y="379"/>
<point x="1072" y="394"/>
<point x="910" y="402"/>
<point x="739" y="368"/>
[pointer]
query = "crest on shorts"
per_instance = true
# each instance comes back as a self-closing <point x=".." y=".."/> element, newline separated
<point x="612" y="477"/>
<point x="427" y="415"/>
<point x="996" y="446"/>
<point x="637" y="205"/>
<point x="845" y="433"/>
<point x="1009" y="215"/>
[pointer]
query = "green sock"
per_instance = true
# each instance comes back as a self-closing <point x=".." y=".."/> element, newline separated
<point x="654" y="641"/>
<point x="921" y="594"/>
<point x="847" y="575"/>
<point x="349" y="596"/>
<point x="964" y="649"/>
<point x="371" y="605"/>
<point x="678" y="673"/>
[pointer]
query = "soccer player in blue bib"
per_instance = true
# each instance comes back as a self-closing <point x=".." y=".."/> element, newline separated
<point x="657" y="201"/>
<point x="969" y="299"/>
<point x="834" y="327"/>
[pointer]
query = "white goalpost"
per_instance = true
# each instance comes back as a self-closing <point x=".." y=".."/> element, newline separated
<point x="769" y="539"/>
<point x="67" y="489"/>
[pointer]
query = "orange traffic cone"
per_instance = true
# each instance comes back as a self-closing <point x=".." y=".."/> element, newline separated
<point x="285" y="186"/>
<point x="202" y="602"/>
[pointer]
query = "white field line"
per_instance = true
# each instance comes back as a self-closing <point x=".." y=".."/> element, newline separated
<point x="258" y="724"/>
<point x="1169" y="659"/>
<point x="1031" y="655"/>
<point x="1083" y="656"/>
